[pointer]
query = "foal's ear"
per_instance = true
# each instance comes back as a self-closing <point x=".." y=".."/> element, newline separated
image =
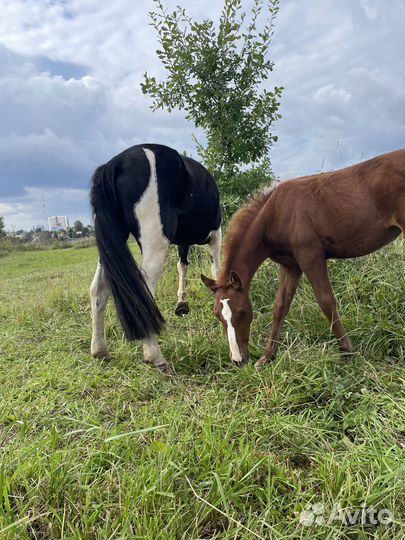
<point x="235" y="280"/>
<point x="211" y="284"/>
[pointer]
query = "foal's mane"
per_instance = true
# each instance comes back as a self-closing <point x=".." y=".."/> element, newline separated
<point x="237" y="229"/>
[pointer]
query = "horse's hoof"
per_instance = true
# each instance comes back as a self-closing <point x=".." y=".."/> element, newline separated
<point x="165" y="368"/>
<point x="182" y="309"/>
<point x="159" y="363"/>
<point x="263" y="361"/>
<point x="101" y="354"/>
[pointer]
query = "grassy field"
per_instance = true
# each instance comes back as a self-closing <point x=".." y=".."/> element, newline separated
<point x="95" y="450"/>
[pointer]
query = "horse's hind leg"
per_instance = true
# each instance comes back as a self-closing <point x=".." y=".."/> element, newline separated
<point x="182" y="307"/>
<point x="214" y="245"/>
<point x="289" y="280"/>
<point x="316" y="269"/>
<point x="153" y="259"/>
<point x="99" y="292"/>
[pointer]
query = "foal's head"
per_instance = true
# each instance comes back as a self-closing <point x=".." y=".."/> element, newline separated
<point x="234" y="309"/>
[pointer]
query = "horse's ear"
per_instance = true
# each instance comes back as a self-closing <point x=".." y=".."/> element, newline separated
<point x="235" y="280"/>
<point x="211" y="284"/>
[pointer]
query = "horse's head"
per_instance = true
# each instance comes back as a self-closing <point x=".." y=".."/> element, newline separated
<point x="234" y="309"/>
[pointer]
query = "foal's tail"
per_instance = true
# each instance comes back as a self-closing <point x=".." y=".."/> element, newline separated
<point x="138" y="313"/>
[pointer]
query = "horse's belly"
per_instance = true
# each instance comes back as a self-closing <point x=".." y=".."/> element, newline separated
<point x="194" y="231"/>
<point x="355" y="246"/>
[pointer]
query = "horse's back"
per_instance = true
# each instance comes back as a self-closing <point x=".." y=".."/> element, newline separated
<point x="135" y="168"/>
<point x="197" y="204"/>
<point x="387" y="187"/>
<point x="187" y="193"/>
<point x="347" y="213"/>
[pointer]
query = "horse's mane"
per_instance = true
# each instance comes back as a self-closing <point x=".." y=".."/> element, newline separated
<point x="237" y="229"/>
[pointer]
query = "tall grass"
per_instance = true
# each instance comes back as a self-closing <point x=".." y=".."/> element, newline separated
<point x="94" y="449"/>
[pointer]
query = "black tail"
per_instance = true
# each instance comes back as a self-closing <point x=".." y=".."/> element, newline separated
<point x="138" y="313"/>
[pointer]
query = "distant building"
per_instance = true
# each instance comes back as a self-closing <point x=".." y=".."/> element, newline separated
<point x="58" y="223"/>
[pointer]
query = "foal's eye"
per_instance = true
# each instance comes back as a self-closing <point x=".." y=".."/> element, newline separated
<point x="242" y="314"/>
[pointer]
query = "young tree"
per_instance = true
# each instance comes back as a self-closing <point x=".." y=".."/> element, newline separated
<point x="216" y="75"/>
<point x="2" y="227"/>
<point x="78" y="226"/>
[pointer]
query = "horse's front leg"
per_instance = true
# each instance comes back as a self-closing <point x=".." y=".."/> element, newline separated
<point x="289" y="279"/>
<point x="214" y="246"/>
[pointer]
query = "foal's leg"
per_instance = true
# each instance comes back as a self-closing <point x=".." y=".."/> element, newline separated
<point x="182" y="307"/>
<point x="214" y="246"/>
<point x="316" y="269"/>
<point x="153" y="259"/>
<point x="99" y="292"/>
<point x="289" y="279"/>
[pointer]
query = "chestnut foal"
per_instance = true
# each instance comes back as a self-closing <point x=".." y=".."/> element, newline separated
<point x="300" y="224"/>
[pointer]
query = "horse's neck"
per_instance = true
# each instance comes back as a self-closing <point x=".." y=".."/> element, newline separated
<point x="252" y="251"/>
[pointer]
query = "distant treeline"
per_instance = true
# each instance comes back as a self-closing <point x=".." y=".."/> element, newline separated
<point x="42" y="241"/>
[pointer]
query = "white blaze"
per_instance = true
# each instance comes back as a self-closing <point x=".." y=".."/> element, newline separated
<point x="233" y="345"/>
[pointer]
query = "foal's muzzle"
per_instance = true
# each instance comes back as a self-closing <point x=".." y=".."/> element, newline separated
<point x="243" y="361"/>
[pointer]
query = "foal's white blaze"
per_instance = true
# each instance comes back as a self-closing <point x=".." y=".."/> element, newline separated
<point x="233" y="344"/>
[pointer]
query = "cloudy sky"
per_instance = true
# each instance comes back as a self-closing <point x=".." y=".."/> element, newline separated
<point x="70" y="97"/>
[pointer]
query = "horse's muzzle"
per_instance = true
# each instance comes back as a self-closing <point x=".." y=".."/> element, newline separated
<point x="243" y="361"/>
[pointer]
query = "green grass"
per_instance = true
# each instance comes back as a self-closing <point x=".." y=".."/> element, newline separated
<point x="95" y="450"/>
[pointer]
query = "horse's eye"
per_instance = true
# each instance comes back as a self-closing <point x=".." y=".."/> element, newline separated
<point x="242" y="314"/>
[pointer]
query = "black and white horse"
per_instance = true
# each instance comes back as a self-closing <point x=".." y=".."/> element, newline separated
<point x="162" y="198"/>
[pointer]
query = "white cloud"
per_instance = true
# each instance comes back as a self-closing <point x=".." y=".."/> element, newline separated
<point x="329" y="94"/>
<point x="370" y="8"/>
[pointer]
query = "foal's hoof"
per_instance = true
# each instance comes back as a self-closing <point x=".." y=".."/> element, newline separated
<point x="182" y="309"/>
<point x="347" y="355"/>
<point x="346" y="349"/>
<point x="263" y="361"/>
